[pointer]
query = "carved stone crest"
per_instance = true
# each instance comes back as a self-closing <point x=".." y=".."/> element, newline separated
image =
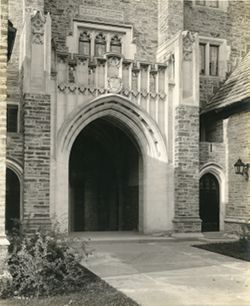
<point x="37" y="28"/>
<point x="114" y="66"/>
<point x="188" y="40"/>
<point x="114" y="81"/>
<point x="115" y="84"/>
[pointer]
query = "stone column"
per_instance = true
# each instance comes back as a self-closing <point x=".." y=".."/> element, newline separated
<point x="35" y="64"/>
<point x="3" y="88"/>
<point x="35" y="58"/>
<point x="36" y="161"/>
<point x="186" y="137"/>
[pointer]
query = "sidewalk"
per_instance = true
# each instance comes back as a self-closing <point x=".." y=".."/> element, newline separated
<point x="171" y="272"/>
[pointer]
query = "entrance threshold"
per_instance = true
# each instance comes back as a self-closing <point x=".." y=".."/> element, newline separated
<point x="219" y="236"/>
<point x="117" y="236"/>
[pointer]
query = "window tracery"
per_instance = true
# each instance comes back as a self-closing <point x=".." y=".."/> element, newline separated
<point x="84" y="44"/>
<point x="116" y="45"/>
<point x="100" y="45"/>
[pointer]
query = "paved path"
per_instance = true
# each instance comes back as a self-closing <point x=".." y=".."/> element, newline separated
<point x="171" y="273"/>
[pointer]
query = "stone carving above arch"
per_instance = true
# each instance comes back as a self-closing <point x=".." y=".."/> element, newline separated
<point x="114" y="81"/>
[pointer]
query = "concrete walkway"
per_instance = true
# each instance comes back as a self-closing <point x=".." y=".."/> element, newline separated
<point x="170" y="272"/>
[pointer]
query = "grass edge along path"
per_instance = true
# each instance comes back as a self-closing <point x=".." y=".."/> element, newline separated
<point x="96" y="292"/>
<point x="236" y="249"/>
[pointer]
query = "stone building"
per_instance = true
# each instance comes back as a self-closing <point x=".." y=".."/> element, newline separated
<point x="127" y="115"/>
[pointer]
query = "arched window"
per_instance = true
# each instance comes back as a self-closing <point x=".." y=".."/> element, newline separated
<point x="12" y="215"/>
<point x="115" y="45"/>
<point x="84" y="44"/>
<point x="100" y="45"/>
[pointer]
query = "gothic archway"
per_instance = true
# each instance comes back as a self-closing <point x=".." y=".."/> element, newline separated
<point x="13" y="199"/>
<point x="209" y="203"/>
<point x="104" y="179"/>
<point x="155" y="213"/>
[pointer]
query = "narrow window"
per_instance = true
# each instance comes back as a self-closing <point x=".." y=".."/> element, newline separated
<point x="213" y="60"/>
<point x="115" y="45"/>
<point x="53" y="58"/>
<point x="12" y="118"/>
<point x="100" y="45"/>
<point x="84" y="44"/>
<point x="202" y="58"/>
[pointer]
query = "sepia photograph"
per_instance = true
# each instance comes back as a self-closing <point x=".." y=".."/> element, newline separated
<point x="124" y="152"/>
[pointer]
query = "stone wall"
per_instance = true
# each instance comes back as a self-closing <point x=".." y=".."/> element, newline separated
<point x="214" y="130"/>
<point x="15" y="147"/>
<point x="36" y="160"/>
<point x="171" y="18"/>
<point x="238" y="142"/>
<point x="208" y="87"/>
<point x="14" y="141"/>
<point x="32" y="146"/>
<point x="231" y="23"/>
<point x="17" y="11"/>
<point x="142" y="15"/>
<point x="3" y="68"/>
<point x="238" y="29"/>
<point x="211" y="152"/>
<point x="34" y="5"/>
<point x="205" y="20"/>
<point x="13" y="82"/>
<point x="187" y="169"/>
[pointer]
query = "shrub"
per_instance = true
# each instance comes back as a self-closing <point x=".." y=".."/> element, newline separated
<point x="44" y="264"/>
<point x="244" y="235"/>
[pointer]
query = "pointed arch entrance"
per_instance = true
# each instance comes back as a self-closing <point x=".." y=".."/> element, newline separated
<point x="103" y="120"/>
<point x="104" y="179"/>
<point x="13" y="199"/>
<point x="209" y="203"/>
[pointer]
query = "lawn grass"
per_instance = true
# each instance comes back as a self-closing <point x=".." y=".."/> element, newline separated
<point x="236" y="249"/>
<point x="96" y="292"/>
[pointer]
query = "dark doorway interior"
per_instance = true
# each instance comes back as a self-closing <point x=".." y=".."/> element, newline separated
<point x="209" y="203"/>
<point x="103" y="179"/>
<point x="12" y="200"/>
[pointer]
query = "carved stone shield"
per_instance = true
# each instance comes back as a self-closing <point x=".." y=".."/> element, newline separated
<point x="115" y="84"/>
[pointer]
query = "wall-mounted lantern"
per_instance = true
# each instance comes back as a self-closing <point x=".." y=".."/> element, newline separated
<point x="242" y="168"/>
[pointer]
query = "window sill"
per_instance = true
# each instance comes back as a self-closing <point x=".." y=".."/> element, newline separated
<point x="13" y="133"/>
